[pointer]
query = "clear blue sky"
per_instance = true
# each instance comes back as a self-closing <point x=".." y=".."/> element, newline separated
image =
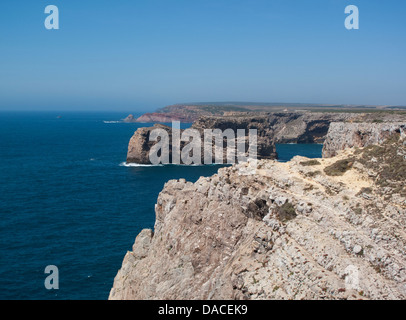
<point x="140" y="55"/>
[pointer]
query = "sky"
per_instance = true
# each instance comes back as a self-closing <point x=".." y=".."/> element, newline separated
<point x="140" y="55"/>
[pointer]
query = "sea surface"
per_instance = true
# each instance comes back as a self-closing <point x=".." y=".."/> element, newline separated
<point x="66" y="199"/>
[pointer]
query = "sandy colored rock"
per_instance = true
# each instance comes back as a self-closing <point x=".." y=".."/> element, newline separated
<point x="140" y="146"/>
<point x="276" y="231"/>
<point x="341" y="135"/>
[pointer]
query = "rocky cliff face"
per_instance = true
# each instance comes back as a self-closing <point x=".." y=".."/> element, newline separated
<point x="341" y="136"/>
<point x="159" y="117"/>
<point x="285" y="127"/>
<point x="290" y="127"/>
<point x="330" y="228"/>
<point x="140" y="145"/>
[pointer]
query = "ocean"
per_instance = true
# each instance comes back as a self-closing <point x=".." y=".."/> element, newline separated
<point x="66" y="199"/>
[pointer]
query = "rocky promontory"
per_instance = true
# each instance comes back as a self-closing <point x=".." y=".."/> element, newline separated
<point x="140" y="146"/>
<point x="191" y="112"/>
<point x="331" y="228"/>
<point x="158" y="117"/>
<point x="272" y="128"/>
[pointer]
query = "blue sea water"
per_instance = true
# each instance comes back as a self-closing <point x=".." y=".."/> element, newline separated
<point x="67" y="200"/>
<point x="287" y="151"/>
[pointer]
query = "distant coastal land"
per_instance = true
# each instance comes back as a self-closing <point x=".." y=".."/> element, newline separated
<point x="275" y="123"/>
<point x="190" y="112"/>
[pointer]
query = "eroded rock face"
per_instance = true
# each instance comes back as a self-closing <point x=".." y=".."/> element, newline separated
<point x="347" y="135"/>
<point x="290" y="127"/>
<point x="277" y="127"/>
<point x="276" y="231"/>
<point x="140" y="146"/>
<point x="283" y="127"/>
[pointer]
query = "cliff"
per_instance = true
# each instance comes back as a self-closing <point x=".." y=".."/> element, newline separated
<point x="292" y="127"/>
<point x="166" y="117"/>
<point x="284" y="127"/>
<point x="140" y="145"/>
<point x="341" y="136"/>
<point x="331" y="228"/>
<point x="192" y="112"/>
<point x="184" y="113"/>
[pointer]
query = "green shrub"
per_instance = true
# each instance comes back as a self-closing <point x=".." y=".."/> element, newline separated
<point x="364" y="190"/>
<point x="313" y="162"/>
<point x="388" y="161"/>
<point x="339" y="168"/>
<point x="357" y="210"/>
<point x="286" y="212"/>
<point x="313" y="173"/>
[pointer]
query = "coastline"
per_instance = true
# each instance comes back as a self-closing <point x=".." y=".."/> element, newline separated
<point x="257" y="233"/>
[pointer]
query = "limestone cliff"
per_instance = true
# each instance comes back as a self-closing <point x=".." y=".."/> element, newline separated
<point x="140" y="145"/>
<point x="341" y="136"/>
<point x="283" y="127"/>
<point x="291" y="127"/>
<point x="330" y="228"/>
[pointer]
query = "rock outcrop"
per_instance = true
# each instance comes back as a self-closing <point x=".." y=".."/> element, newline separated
<point x="330" y="228"/>
<point x="283" y="127"/>
<point x="341" y="136"/>
<point x="291" y="127"/>
<point x="129" y="119"/>
<point x="140" y="146"/>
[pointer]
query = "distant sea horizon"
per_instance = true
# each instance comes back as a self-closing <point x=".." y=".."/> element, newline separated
<point x="66" y="199"/>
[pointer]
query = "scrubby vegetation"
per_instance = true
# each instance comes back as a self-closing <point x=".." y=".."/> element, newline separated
<point x="364" y="190"/>
<point x="388" y="161"/>
<point x="339" y="168"/>
<point x="312" y="162"/>
<point x="286" y="212"/>
<point x="312" y="174"/>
